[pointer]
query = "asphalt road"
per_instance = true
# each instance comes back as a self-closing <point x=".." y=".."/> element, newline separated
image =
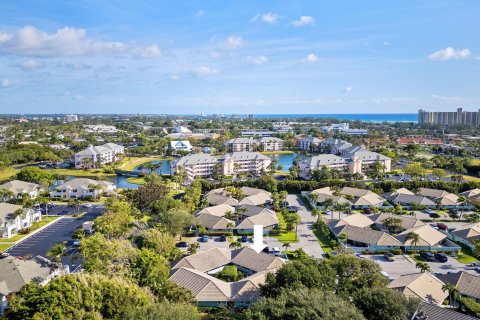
<point x="41" y="242"/>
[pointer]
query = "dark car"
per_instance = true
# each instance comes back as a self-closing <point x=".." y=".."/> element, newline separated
<point x="204" y="239"/>
<point x="292" y="209"/>
<point x="427" y="256"/>
<point x="244" y="239"/>
<point x="223" y="238"/>
<point x="442" y="226"/>
<point x="181" y="244"/>
<point x="367" y="210"/>
<point x="4" y="255"/>
<point x="441" y="257"/>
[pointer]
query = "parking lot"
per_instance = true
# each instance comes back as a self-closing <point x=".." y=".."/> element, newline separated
<point x="41" y="242"/>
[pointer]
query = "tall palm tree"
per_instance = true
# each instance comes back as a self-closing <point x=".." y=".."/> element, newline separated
<point x="235" y="245"/>
<point x="313" y="198"/>
<point x="343" y="237"/>
<point x="286" y="245"/>
<point x="414" y="239"/>
<point x="423" y="266"/>
<point x="453" y="293"/>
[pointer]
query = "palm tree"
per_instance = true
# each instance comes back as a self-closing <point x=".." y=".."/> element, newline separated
<point x="56" y="252"/>
<point x="18" y="213"/>
<point x="235" y="245"/>
<point x="230" y="226"/>
<point x="414" y="239"/>
<point x="423" y="266"/>
<point x="193" y="248"/>
<point x="6" y="194"/>
<point x="286" y="245"/>
<point x="316" y="213"/>
<point x="343" y="237"/>
<point x="453" y="293"/>
<point x="313" y="198"/>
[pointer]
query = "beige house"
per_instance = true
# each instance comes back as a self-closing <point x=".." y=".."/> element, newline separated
<point x="197" y="273"/>
<point x="19" y="188"/>
<point x="423" y="286"/>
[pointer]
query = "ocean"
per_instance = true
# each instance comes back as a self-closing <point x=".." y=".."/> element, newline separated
<point x="367" y="117"/>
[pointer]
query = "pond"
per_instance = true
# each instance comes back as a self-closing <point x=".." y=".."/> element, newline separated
<point x="164" y="167"/>
<point x="120" y="181"/>
<point x="285" y="159"/>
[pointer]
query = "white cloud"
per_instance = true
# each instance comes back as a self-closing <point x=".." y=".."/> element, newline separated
<point x="256" y="59"/>
<point x="30" y="64"/>
<point x="200" y="13"/>
<point x="449" y="54"/>
<point x="80" y="97"/>
<point x="5" y="83"/>
<point x="270" y="18"/>
<point x="75" y="65"/>
<point x="232" y="43"/>
<point x="303" y="21"/>
<point x="386" y="43"/>
<point x="311" y="57"/>
<point x="174" y="77"/>
<point x="205" y="71"/>
<point x="29" y="41"/>
<point x="477" y="58"/>
<point x="347" y="89"/>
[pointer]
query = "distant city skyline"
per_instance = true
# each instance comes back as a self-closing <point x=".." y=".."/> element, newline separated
<point x="238" y="57"/>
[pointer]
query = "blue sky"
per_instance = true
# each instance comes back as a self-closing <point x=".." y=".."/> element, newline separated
<point x="188" y="57"/>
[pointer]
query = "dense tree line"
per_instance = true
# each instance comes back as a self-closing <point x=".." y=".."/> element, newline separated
<point x="24" y="153"/>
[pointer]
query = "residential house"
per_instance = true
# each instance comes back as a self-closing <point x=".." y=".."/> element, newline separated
<point x="406" y="222"/>
<point x="180" y="145"/>
<point x="330" y="161"/>
<point x="473" y="194"/>
<point x="241" y="144"/>
<point x="196" y="165"/>
<point x="15" y="273"/>
<point x="355" y="220"/>
<point x="363" y="198"/>
<point x="430" y="311"/>
<point x="197" y="274"/>
<point x="467" y="235"/>
<point x="440" y="197"/>
<point x="83" y="188"/>
<point x="467" y="284"/>
<point x="11" y="222"/>
<point x="407" y="200"/>
<point x="423" y="286"/>
<point x="94" y="157"/>
<point x="363" y="239"/>
<point x="245" y="162"/>
<point x="181" y="129"/>
<point x="429" y="239"/>
<point x="19" y="188"/>
<point x="309" y="143"/>
<point x="266" y="218"/>
<point x="270" y="144"/>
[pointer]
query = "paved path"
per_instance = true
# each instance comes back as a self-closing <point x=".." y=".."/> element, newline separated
<point x="307" y="240"/>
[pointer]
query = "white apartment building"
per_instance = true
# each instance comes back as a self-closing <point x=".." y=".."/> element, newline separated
<point x="11" y="223"/>
<point x="309" y="143"/>
<point x="94" y="157"/>
<point x="100" y="128"/>
<point x="19" y="188"/>
<point x="82" y="188"/>
<point x="180" y="145"/>
<point x="245" y="162"/>
<point x="330" y="161"/>
<point x="70" y="118"/>
<point x="270" y="144"/>
<point x="241" y="144"/>
<point x="195" y="165"/>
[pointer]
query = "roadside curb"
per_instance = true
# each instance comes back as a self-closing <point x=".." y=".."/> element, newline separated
<point x="34" y="232"/>
<point x="409" y="258"/>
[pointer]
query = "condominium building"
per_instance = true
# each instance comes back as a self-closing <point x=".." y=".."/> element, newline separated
<point x="309" y="143"/>
<point x="70" y="118"/>
<point x="245" y="162"/>
<point x="14" y="218"/>
<point x="241" y="144"/>
<point x="270" y="144"/>
<point x="459" y="117"/>
<point x="195" y="165"/>
<point x="83" y="188"/>
<point x="100" y="128"/>
<point x="97" y="156"/>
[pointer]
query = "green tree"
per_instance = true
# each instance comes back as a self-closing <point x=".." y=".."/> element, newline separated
<point x="414" y="169"/>
<point x="394" y="225"/>
<point x="423" y="266"/>
<point x="235" y="245"/>
<point x="56" y="252"/>
<point x="193" y="248"/>
<point x="414" y="239"/>
<point x="453" y="293"/>
<point x="383" y="303"/>
<point x="164" y="311"/>
<point x="301" y="304"/>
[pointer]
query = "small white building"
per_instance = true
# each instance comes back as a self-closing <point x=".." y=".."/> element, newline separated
<point x="245" y="162"/>
<point x="70" y="118"/>
<point x="180" y="145"/>
<point x="11" y="222"/>
<point x="83" y="188"/>
<point x="18" y="188"/>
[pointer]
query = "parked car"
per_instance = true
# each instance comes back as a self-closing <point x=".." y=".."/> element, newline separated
<point x="244" y="239"/>
<point x="434" y="215"/>
<point x="181" y="244"/>
<point x="274" y="250"/>
<point x="87" y="205"/>
<point x="327" y="212"/>
<point x="389" y="256"/>
<point x="359" y="255"/>
<point x="367" y="210"/>
<point x="4" y="255"/>
<point x="441" y="257"/>
<point x="429" y="211"/>
<point x="427" y="256"/>
<point x="204" y="238"/>
<point x="223" y="238"/>
<point x="442" y="226"/>
<point x="292" y="209"/>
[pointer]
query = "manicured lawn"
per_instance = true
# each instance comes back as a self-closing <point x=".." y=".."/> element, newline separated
<point x="7" y="172"/>
<point x="128" y="164"/>
<point x="465" y="256"/>
<point x="34" y="227"/>
<point x="4" y="246"/>
<point x="471" y="178"/>
<point x="286" y="236"/>
<point x="136" y="180"/>
<point x="324" y="240"/>
<point x="277" y="152"/>
<point x="81" y="172"/>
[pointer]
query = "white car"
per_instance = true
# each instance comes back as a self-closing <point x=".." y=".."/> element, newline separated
<point x="87" y="205"/>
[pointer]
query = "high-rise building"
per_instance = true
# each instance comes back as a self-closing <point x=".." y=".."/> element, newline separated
<point x="456" y="118"/>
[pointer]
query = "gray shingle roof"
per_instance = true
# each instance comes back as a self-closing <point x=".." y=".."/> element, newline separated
<point x="434" y="312"/>
<point x="468" y="284"/>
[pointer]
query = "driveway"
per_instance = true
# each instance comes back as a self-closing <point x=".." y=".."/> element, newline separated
<point x="396" y="268"/>
<point x="307" y="240"/>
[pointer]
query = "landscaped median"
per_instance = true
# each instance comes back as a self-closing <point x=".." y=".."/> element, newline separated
<point x="7" y="243"/>
<point x="284" y="236"/>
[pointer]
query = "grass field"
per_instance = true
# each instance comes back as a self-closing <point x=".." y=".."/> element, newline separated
<point x="277" y="152"/>
<point x="5" y="246"/>
<point x="323" y="240"/>
<point x="465" y="256"/>
<point x="7" y="172"/>
<point x="81" y="172"/>
<point x="136" y="180"/>
<point x="128" y="164"/>
<point x="286" y="236"/>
